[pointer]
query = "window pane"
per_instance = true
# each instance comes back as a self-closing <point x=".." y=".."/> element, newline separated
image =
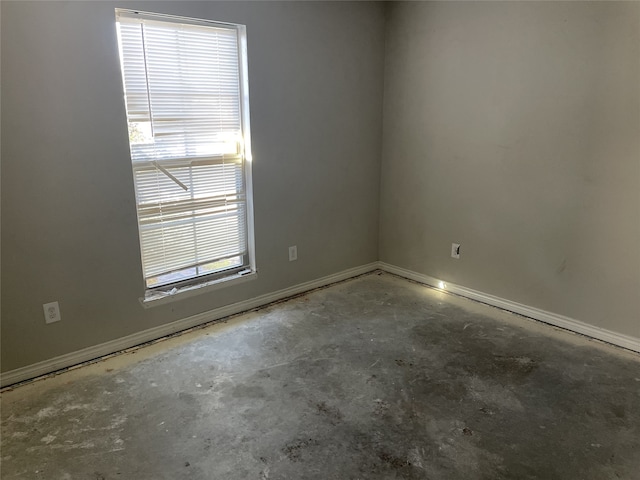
<point x="183" y="98"/>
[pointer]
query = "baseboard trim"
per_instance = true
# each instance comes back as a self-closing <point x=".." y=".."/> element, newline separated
<point x="567" y="323"/>
<point x="114" y="346"/>
<point x="97" y="351"/>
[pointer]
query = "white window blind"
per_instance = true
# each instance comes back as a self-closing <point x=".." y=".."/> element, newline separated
<point x="182" y="83"/>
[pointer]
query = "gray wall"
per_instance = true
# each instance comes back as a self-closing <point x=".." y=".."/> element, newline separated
<point x="513" y="128"/>
<point x="68" y="214"/>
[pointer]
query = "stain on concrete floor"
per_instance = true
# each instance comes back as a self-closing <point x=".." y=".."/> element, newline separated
<point x="374" y="378"/>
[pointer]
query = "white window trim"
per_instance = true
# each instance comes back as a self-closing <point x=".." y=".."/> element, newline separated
<point x="201" y="285"/>
<point x="246" y="132"/>
<point x="154" y="298"/>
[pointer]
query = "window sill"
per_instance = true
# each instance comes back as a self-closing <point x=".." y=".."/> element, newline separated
<point x="153" y="299"/>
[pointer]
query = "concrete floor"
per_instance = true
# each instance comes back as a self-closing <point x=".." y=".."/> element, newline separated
<point x="376" y="377"/>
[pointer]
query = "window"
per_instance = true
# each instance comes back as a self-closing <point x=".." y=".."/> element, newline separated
<point x="186" y="98"/>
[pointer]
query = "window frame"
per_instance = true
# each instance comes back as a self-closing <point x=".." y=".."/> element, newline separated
<point x="247" y="270"/>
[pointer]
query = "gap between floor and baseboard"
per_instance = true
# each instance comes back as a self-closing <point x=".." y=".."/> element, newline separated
<point x="87" y="355"/>
<point x="113" y="347"/>
<point x="608" y="336"/>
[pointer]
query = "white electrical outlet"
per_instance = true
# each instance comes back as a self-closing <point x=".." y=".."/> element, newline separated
<point x="51" y="312"/>
<point x="455" y="250"/>
<point x="293" y="253"/>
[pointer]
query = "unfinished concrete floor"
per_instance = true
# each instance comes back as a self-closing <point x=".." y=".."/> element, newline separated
<point x="376" y="377"/>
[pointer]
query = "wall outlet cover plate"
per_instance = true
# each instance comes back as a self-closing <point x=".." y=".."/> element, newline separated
<point x="51" y="312"/>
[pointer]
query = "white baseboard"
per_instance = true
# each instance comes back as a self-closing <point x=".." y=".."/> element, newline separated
<point x="90" y="353"/>
<point x="608" y="336"/>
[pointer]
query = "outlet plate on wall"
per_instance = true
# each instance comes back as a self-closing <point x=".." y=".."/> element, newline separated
<point x="51" y="312"/>
<point x="293" y="253"/>
<point x="455" y="250"/>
